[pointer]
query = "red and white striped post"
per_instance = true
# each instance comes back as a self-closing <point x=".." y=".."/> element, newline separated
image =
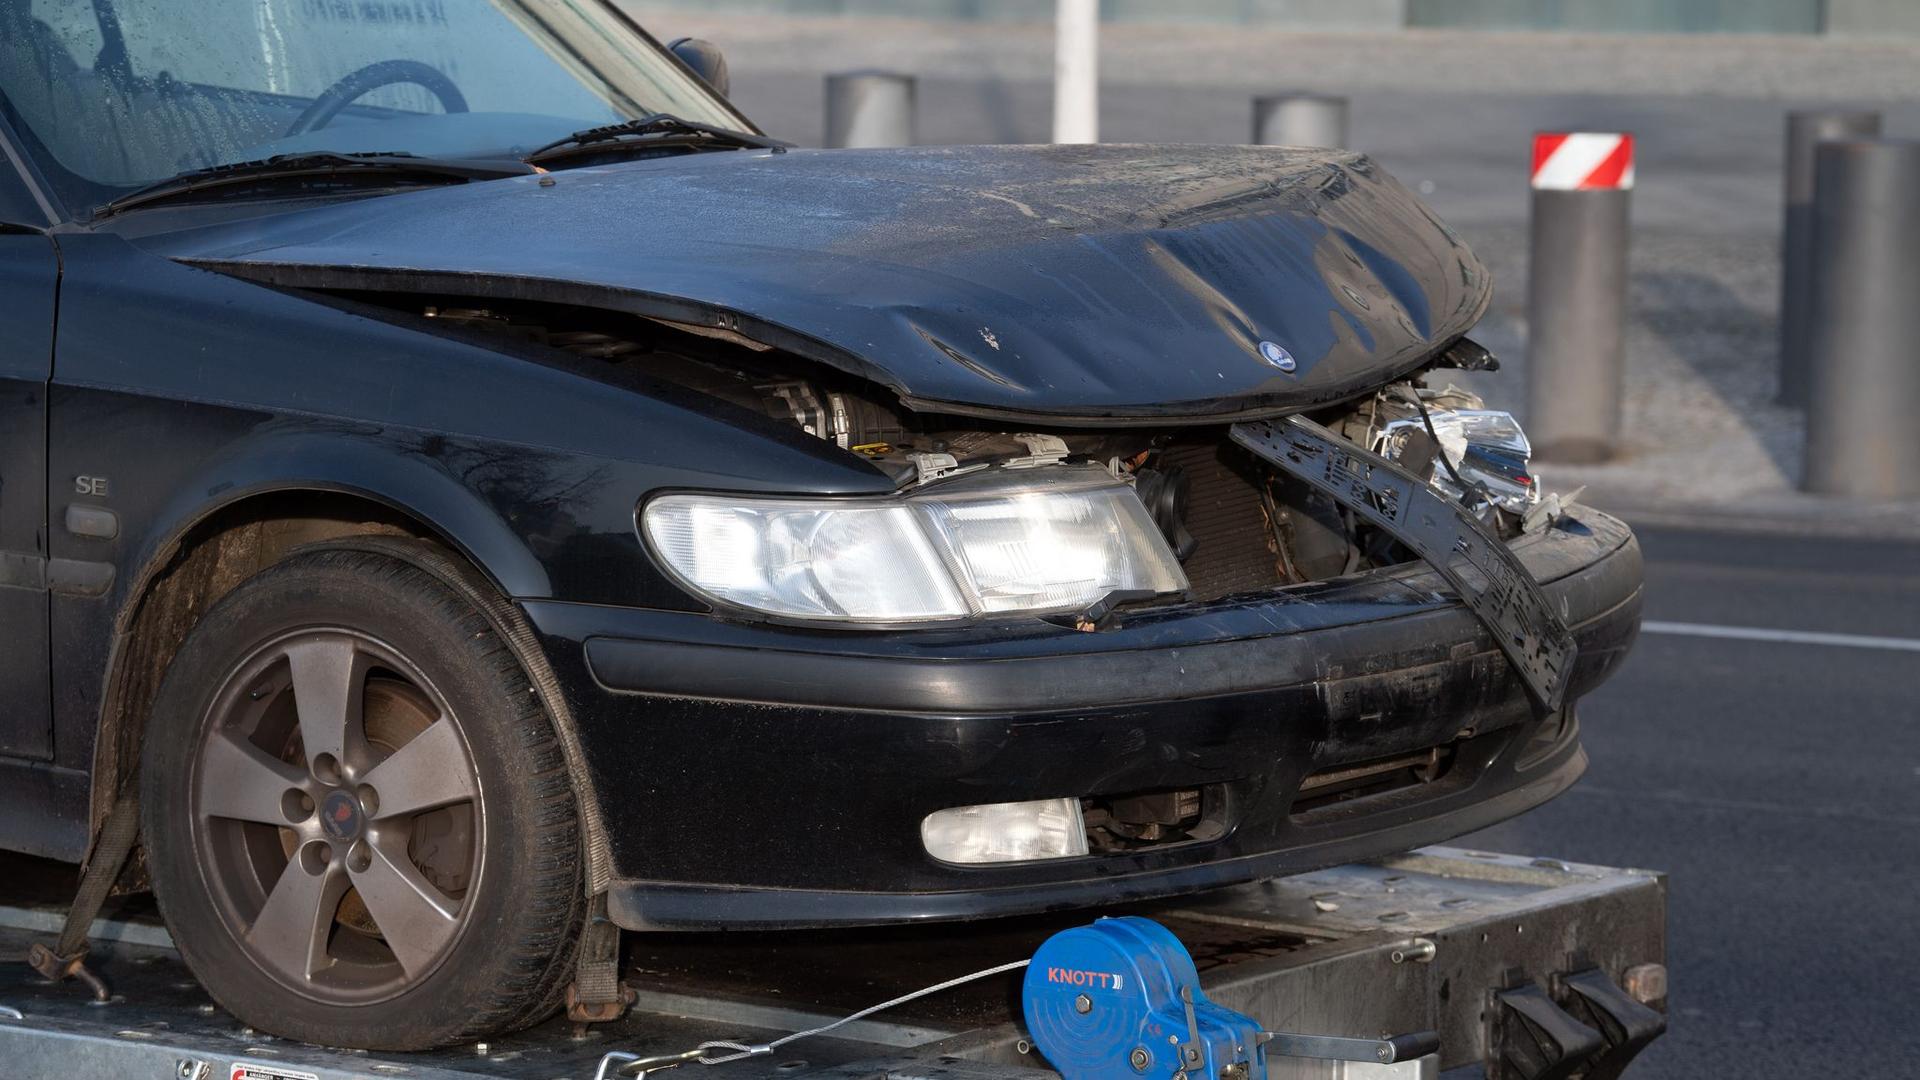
<point x="1577" y="294"/>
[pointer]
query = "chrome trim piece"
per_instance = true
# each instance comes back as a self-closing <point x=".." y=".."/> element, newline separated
<point x="28" y="176"/>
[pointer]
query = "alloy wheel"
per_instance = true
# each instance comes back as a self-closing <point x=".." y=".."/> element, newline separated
<point x="338" y="816"/>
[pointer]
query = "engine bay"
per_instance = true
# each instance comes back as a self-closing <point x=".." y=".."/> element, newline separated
<point x="1236" y="525"/>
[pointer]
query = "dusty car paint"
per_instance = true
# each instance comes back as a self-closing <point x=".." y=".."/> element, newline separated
<point x="1104" y="282"/>
<point x="28" y="270"/>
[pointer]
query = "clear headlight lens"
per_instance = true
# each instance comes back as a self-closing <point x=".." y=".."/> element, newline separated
<point x="1006" y="832"/>
<point x="1486" y="447"/>
<point x="1046" y="540"/>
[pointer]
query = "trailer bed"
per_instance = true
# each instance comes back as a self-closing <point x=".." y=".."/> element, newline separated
<point x="1414" y="942"/>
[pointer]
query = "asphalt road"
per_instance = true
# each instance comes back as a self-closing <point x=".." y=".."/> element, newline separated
<point x="1778" y="783"/>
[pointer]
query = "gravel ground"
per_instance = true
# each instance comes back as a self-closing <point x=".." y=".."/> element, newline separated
<point x="1701" y="347"/>
<point x="1701" y="433"/>
<point x="1702" y="439"/>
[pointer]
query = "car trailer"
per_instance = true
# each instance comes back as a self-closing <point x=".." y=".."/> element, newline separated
<point x="1443" y="961"/>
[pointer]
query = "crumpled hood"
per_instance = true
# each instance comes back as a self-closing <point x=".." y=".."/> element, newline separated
<point x="1083" y="282"/>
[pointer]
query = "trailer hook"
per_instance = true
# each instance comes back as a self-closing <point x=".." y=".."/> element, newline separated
<point x="621" y="1063"/>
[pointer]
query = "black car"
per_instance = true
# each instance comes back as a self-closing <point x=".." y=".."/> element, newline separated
<point x="462" y="482"/>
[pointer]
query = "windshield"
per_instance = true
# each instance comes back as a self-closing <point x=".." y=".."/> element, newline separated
<point x="113" y="95"/>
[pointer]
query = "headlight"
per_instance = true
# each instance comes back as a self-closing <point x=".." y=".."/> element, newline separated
<point x="1045" y="540"/>
<point x="1486" y="447"/>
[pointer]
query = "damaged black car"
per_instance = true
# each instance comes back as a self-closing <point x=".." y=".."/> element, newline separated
<point x="464" y="487"/>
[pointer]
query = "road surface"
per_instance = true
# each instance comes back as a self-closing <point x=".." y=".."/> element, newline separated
<point x="1778" y="782"/>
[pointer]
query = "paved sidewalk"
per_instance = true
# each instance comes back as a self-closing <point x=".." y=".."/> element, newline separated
<point x="1452" y="114"/>
<point x="1253" y="58"/>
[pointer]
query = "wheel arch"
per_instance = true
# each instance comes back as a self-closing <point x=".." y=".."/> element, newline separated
<point x="201" y="553"/>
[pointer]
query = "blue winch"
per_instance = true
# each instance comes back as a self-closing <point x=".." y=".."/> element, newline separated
<point x="1121" y="1000"/>
<point x="1117" y="1000"/>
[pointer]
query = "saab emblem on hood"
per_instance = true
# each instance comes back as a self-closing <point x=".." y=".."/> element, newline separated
<point x="1277" y="356"/>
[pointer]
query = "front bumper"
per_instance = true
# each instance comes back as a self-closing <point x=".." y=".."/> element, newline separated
<point x="751" y="775"/>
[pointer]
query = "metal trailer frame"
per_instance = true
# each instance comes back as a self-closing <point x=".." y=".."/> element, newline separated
<point x="1427" y="940"/>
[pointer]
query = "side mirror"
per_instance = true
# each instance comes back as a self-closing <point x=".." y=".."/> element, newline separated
<point x="706" y="60"/>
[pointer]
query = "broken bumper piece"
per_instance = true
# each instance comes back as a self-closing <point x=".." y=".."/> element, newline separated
<point x="1489" y="579"/>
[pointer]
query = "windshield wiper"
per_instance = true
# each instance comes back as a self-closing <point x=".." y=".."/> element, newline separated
<point x="654" y="131"/>
<point x="329" y="164"/>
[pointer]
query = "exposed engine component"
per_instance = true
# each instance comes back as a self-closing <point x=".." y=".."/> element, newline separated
<point x="1154" y="819"/>
<point x="1251" y="530"/>
<point x="1041" y="450"/>
<point x="1318" y="540"/>
<point x="847" y="421"/>
<point x="1164" y="493"/>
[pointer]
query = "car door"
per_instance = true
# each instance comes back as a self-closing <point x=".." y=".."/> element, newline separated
<point x="29" y="273"/>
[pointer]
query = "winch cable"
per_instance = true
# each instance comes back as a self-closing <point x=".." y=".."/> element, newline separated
<point x="621" y="1063"/>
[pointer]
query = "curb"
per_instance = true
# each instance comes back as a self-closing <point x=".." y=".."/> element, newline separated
<point x="1793" y="515"/>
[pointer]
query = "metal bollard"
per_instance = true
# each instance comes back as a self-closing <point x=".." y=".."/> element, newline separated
<point x="1577" y="294"/>
<point x="1863" y="390"/>
<point x="1804" y="131"/>
<point x="1300" y="120"/>
<point x="870" y="108"/>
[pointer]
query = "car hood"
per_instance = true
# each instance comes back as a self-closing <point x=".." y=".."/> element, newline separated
<point x="1094" y="283"/>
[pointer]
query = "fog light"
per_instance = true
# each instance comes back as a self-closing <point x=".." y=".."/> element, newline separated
<point x="1006" y="832"/>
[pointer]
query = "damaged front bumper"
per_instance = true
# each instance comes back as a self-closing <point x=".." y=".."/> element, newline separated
<point x="765" y="776"/>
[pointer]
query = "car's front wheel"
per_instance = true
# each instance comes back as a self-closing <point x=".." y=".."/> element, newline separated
<point x="357" y="815"/>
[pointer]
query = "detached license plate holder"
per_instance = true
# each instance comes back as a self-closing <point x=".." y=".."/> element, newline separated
<point x="1480" y="567"/>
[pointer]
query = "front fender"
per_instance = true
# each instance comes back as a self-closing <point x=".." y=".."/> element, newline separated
<point x="394" y="469"/>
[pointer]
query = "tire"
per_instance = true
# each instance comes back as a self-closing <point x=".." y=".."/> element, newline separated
<point x="357" y="813"/>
